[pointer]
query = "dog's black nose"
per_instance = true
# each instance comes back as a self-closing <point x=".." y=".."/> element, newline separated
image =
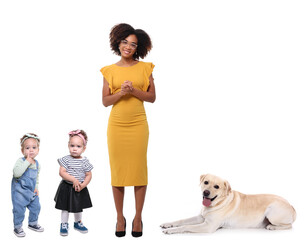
<point x="206" y="193"/>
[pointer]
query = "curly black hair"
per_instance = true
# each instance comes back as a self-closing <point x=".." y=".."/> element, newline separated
<point x="122" y="31"/>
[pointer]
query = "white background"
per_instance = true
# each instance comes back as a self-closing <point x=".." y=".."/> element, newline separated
<point x="229" y="81"/>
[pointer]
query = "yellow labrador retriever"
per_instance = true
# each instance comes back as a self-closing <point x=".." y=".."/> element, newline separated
<point x="225" y="208"/>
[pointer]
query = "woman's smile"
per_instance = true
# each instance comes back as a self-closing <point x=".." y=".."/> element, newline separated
<point x="128" y="46"/>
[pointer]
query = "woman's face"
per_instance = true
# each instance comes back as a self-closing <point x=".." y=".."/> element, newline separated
<point x="128" y="46"/>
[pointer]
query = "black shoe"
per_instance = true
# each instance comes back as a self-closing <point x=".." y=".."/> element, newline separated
<point x="121" y="233"/>
<point x="137" y="234"/>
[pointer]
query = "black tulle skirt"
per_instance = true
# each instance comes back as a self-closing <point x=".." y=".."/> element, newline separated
<point x="68" y="199"/>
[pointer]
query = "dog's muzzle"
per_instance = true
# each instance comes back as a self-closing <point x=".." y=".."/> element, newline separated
<point x="207" y="201"/>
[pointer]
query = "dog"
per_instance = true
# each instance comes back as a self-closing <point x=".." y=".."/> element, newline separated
<point x="225" y="208"/>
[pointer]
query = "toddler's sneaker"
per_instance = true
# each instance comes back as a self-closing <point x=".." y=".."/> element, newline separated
<point x="79" y="227"/>
<point x="19" y="232"/>
<point x="64" y="229"/>
<point x="36" y="228"/>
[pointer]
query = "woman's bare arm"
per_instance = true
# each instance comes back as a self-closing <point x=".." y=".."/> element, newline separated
<point x="109" y="99"/>
<point x="148" y="96"/>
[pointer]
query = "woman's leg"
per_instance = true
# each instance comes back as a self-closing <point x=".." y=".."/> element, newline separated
<point x="118" y="194"/>
<point x="140" y="193"/>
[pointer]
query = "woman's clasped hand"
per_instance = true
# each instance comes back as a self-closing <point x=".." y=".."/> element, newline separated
<point x="126" y="88"/>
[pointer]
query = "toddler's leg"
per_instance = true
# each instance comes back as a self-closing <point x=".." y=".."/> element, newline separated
<point x="78" y="225"/>
<point x="78" y="216"/>
<point x="64" y="226"/>
<point x="64" y="216"/>
<point x="18" y="212"/>
<point x="34" y="208"/>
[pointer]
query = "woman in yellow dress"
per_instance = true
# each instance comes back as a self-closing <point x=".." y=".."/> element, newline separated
<point x="126" y="85"/>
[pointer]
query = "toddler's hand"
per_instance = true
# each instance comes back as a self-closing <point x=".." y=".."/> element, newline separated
<point x="76" y="185"/>
<point x="81" y="187"/>
<point x="36" y="192"/>
<point x="29" y="159"/>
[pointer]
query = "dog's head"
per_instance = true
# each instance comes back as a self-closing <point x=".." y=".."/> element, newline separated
<point x="214" y="189"/>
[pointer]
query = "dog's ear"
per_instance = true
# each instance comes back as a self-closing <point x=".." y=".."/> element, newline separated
<point x="202" y="178"/>
<point x="228" y="187"/>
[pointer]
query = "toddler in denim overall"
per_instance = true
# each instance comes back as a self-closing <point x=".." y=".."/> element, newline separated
<point x="24" y="186"/>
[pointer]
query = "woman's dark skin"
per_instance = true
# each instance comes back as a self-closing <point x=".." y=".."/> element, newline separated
<point x="109" y="99"/>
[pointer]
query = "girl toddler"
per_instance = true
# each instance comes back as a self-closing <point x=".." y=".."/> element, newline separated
<point x="72" y="194"/>
<point x="25" y="185"/>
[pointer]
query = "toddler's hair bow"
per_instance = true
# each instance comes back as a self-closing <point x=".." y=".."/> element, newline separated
<point x="79" y="134"/>
<point x="27" y="136"/>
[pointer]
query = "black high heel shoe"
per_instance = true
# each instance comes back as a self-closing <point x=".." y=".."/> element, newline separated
<point x="137" y="234"/>
<point x="121" y="233"/>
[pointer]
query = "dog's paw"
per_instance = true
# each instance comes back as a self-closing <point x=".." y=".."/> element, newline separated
<point x="277" y="227"/>
<point x="271" y="227"/>
<point x="174" y="230"/>
<point x="166" y="225"/>
<point x="168" y="231"/>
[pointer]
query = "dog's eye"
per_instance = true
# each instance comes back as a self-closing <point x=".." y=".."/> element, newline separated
<point x="216" y="187"/>
<point x="206" y="182"/>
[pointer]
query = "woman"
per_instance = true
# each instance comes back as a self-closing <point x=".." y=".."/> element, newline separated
<point x="126" y="85"/>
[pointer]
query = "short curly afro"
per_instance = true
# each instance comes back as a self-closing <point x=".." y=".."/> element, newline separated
<point x="122" y="31"/>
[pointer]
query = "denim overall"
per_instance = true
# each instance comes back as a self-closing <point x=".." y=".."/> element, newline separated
<point x="23" y="197"/>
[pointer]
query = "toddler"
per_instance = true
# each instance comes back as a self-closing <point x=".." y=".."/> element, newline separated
<point x="25" y="185"/>
<point x="72" y="194"/>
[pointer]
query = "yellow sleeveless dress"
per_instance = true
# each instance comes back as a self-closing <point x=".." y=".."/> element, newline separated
<point x="128" y="130"/>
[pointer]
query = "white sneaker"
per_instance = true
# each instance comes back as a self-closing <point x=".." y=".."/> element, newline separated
<point x="19" y="232"/>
